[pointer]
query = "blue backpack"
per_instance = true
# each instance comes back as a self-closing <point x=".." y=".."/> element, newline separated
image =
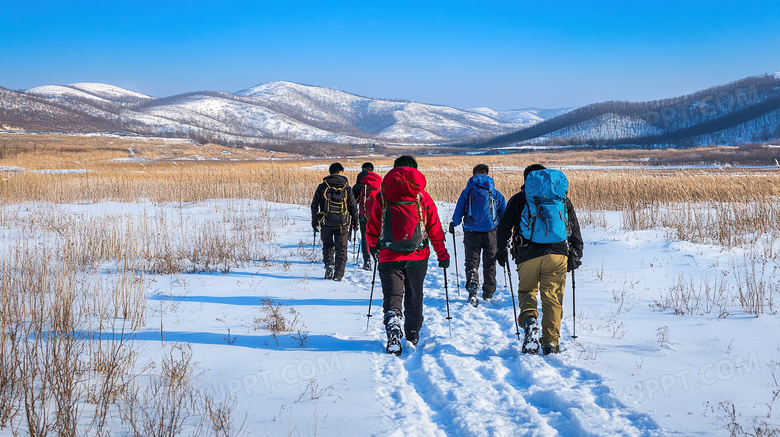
<point x="544" y="218"/>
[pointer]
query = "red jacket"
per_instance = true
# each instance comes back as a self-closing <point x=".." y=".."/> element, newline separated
<point x="373" y="183"/>
<point x="403" y="184"/>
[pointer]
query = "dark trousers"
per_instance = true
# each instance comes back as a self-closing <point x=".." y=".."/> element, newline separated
<point x="402" y="287"/>
<point x="363" y="242"/>
<point x="335" y="242"/>
<point x="482" y="244"/>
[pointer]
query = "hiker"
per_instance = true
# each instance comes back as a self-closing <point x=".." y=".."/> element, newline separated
<point x="480" y="207"/>
<point x="401" y="222"/>
<point x="333" y="210"/>
<point x="367" y="185"/>
<point x="544" y="250"/>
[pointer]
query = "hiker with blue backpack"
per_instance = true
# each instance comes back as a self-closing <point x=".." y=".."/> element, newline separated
<point x="480" y="208"/>
<point x="402" y="222"/>
<point x="546" y="244"/>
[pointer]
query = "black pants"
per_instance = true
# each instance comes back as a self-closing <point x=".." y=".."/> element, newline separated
<point x="477" y="244"/>
<point x="402" y="287"/>
<point x="363" y="242"/>
<point x="335" y="241"/>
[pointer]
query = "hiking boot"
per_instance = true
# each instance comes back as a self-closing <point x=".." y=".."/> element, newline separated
<point x="548" y="349"/>
<point x="412" y="337"/>
<point x="531" y="336"/>
<point x="338" y="277"/>
<point x="329" y="271"/>
<point x="472" y="286"/>
<point x="393" y="321"/>
<point x="487" y="295"/>
<point x="367" y="265"/>
<point x="394" y="346"/>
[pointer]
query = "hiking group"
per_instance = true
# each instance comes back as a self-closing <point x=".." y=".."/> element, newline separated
<point x="398" y="222"/>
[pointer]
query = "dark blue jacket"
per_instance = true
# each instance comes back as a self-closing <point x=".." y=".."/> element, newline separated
<point x="473" y="206"/>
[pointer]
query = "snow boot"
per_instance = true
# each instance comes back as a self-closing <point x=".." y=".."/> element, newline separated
<point x="471" y="287"/>
<point x="329" y="271"/>
<point x="338" y="277"/>
<point x="548" y="349"/>
<point x="367" y="265"/>
<point x="487" y="295"/>
<point x="393" y="321"/>
<point x="412" y="337"/>
<point x="531" y="337"/>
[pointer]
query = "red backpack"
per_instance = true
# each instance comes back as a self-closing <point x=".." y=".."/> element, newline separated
<point x="403" y="227"/>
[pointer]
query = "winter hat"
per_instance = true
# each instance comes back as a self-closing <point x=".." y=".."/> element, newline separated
<point x="532" y="167"/>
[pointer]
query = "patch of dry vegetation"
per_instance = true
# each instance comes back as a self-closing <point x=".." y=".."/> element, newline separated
<point x="65" y="361"/>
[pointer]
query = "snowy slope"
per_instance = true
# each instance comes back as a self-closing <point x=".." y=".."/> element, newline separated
<point x="388" y="120"/>
<point x="524" y="117"/>
<point x="467" y="376"/>
<point x="92" y="91"/>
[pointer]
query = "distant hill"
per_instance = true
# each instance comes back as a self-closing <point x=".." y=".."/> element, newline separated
<point x="272" y="114"/>
<point x="740" y="112"/>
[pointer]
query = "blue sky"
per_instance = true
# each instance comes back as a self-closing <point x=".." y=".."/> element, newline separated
<point x="501" y="54"/>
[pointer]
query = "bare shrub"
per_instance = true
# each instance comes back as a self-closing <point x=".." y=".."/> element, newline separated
<point x="756" y="283"/>
<point x="278" y="319"/>
<point x="686" y="297"/>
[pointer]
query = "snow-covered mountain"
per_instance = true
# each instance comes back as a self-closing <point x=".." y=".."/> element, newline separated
<point x="91" y="91"/>
<point x="740" y="112"/>
<point x="276" y="111"/>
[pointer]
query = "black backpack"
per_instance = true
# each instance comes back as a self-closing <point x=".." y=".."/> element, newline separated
<point x="335" y="205"/>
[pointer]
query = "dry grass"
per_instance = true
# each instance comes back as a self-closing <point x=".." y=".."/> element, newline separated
<point x="65" y="362"/>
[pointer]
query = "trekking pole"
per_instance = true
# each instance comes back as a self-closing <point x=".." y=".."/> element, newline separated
<point x="514" y="306"/>
<point x="314" y="247"/>
<point x="455" y="250"/>
<point x="447" y="299"/>
<point x="354" y="243"/>
<point x="574" y="305"/>
<point x="371" y="297"/>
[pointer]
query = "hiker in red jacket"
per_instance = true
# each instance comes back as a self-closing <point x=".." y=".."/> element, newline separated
<point x="365" y="189"/>
<point x="401" y="222"/>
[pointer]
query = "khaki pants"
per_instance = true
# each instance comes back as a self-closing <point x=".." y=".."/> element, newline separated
<point x="546" y="274"/>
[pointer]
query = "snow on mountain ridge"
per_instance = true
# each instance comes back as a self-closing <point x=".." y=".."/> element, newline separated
<point x="109" y="92"/>
<point x="287" y="111"/>
<point x="92" y="91"/>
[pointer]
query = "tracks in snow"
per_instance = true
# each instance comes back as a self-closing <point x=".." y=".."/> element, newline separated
<point x="478" y="383"/>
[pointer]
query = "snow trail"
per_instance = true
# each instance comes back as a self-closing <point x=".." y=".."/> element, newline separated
<point x="478" y="383"/>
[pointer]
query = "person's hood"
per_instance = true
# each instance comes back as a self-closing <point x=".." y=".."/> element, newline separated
<point x="482" y="181"/>
<point x="403" y="184"/>
<point x="336" y="180"/>
<point x="372" y="180"/>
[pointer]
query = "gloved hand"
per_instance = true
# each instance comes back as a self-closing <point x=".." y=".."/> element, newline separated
<point x="354" y="225"/>
<point x="573" y="262"/>
<point x="315" y="224"/>
<point x="452" y="228"/>
<point x="444" y="263"/>
<point x="374" y="252"/>
<point x="502" y="257"/>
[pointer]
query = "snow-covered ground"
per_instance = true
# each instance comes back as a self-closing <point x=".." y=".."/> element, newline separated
<point x="636" y="368"/>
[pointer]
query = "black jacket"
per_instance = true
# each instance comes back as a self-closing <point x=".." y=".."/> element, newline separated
<point x="528" y="251"/>
<point x="319" y="203"/>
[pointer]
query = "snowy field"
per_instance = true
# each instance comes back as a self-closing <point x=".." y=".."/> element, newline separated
<point x="636" y="368"/>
